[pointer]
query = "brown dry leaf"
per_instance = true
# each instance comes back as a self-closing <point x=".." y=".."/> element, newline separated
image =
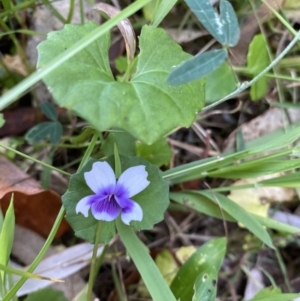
<point x="20" y="119"/>
<point x="185" y="35"/>
<point x="15" y="64"/>
<point x="272" y="120"/>
<point x="124" y="26"/>
<point x="35" y="208"/>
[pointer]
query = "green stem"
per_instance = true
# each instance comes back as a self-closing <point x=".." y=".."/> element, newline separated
<point x="71" y="11"/>
<point x="246" y="85"/>
<point x="101" y="258"/>
<point x="89" y="150"/>
<point x="15" y="92"/>
<point x="81" y="11"/>
<point x="283" y="270"/>
<point x="39" y="257"/>
<point x="16" y="8"/>
<point x="93" y="274"/>
<point x="117" y="283"/>
<point x="68" y="146"/>
<point x="54" y="11"/>
<point x="35" y="160"/>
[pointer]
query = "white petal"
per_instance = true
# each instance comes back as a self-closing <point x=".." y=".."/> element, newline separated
<point x="135" y="214"/>
<point x="101" y="176"/>
<point x="83" y="206"/>
<point x="134" y="180"/>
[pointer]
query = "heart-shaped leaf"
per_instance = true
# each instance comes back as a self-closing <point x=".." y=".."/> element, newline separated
<point x="86" y="85"/>
<point x="159" y="153"/>
<point x="154" y="200"/>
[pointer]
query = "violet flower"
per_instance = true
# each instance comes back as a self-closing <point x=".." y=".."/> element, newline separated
<point x="113" y="197"/>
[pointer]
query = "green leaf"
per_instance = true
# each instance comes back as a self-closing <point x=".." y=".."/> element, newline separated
<point x="259" y="88"/>
<point x="219" y="83"/>
<point x="2" y="120"/>
<point x="150" y="273"/>
<point x="162" y="10"/>
<point x="268" y="291"/>
<point x="150" y="9"/>
<point x="241" y="215"/>
<point x="7" y="238"/>
<point x="206" y="285"/>
<point x="207" y="258"/>
<point x="154" y="200"/>
<point x="124" y="141"/>
<point x="209" y="18"/>
<point x="86" y="85"/>
<point x="207" y="206"/>
<point x="200" y="168"/>
<point x="121" y="64"/>
<point x="49" y="110"/>
<point x="158" y="153"/>
<point x="197" y="66"/>
<point x="255" y="168"/>
<point x="230" y="23"/>
<point x="257" y="61"/>
<point x="50" y="129"/>
<point x="279" y="297"/>
<point x="289" y="180"/>
<point x="47" y="294"/>
<point x="1" y="220"/>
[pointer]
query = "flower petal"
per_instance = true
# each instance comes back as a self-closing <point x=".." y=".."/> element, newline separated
<point x="134" y="180"/>
<point x="133" y="212"/>
<point x="84" y="205"/>
<point x="100" y="177"/>
<point x="106" y="210"/>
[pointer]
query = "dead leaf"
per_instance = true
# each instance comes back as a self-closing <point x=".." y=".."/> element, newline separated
<point x="255" y="283"/>
<point x="184" y="253"/>
<point x="124" y="26"/>
<point x="185" y="35"/>
<point x="61" y="265"/>
<point x="35" y="208"/>
<point x="15" y="64"/>
<point x="257" y="200"/>
<point x="20" y="119"/>
<point x="272" y="120"/>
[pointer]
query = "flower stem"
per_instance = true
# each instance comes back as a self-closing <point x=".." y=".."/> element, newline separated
<point x="93" y="269"/>
<point x="89" y="150"/>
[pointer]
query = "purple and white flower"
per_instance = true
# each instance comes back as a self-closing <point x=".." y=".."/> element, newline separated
<point x="112" y="197"/>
